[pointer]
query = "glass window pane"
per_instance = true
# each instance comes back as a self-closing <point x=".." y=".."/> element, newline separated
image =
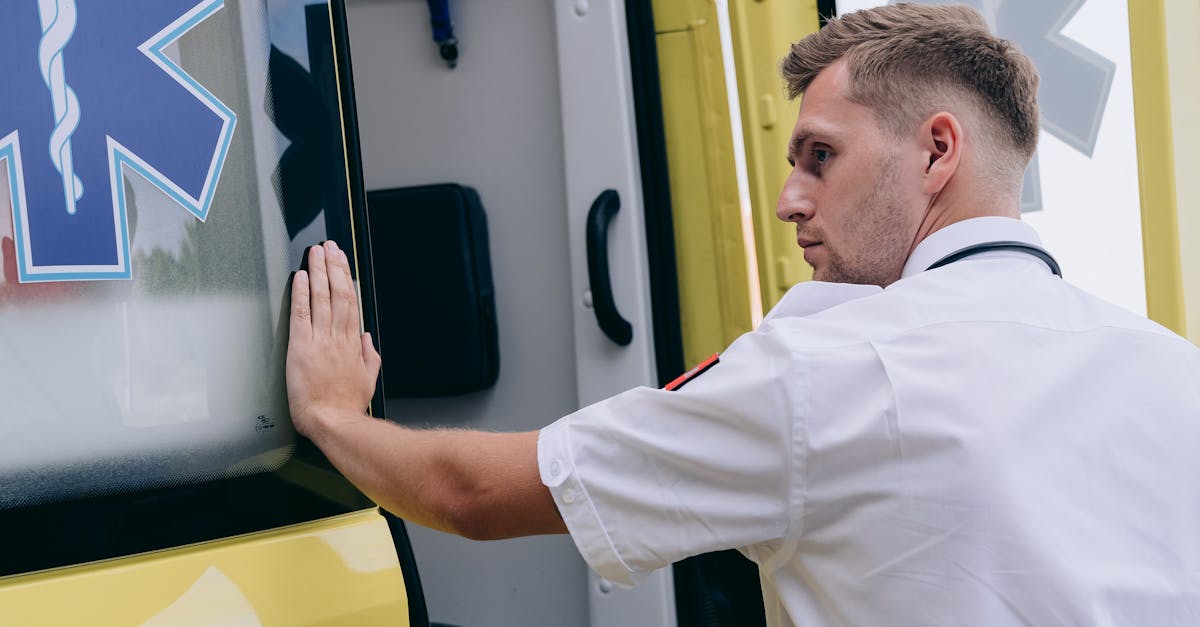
<point x="163" y="165"/>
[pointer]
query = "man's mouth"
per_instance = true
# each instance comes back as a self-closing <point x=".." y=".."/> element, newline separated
<point x="810" y="250"/>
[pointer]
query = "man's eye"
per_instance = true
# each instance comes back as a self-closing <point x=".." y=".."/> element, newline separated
<point x="820" y="155"/>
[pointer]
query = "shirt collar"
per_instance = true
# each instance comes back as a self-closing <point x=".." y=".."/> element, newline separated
<point x="966" y="233"/>
<point x="810" y="297"/>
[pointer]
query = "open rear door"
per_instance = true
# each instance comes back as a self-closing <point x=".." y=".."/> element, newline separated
<point x="163" y="165"/>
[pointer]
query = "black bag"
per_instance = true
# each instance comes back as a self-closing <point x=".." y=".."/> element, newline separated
<point x="433" y="286"/>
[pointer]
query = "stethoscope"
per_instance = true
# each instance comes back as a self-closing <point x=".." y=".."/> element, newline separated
<point x="986" y="247"/>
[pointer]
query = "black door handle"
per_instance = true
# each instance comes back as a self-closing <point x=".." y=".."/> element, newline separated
<point x="618" y="329"/>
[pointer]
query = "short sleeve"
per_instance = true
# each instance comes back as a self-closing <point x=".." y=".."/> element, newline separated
<point x="649" y="477"/>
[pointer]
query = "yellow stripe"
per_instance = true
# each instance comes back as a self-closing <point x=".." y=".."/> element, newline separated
<point x="337" y="571"/>
<point x="1156" y="165"/>
<point x="731" y="266"/>
<point x="762" y="34"/>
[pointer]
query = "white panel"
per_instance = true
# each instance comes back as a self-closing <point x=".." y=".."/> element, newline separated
<point x="1093" y="221"/>
<point x="601" y="152"/>
<point x="492" y="123"/>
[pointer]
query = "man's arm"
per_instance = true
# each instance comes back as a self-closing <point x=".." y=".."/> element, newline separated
<point x="479" y="485"/>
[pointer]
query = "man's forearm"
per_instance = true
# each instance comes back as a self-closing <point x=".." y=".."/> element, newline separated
<point x="475" y="484"/>
<point x="480" y="485"/>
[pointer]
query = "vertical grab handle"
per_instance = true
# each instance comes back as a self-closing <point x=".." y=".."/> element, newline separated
<point x="611" y="323"/>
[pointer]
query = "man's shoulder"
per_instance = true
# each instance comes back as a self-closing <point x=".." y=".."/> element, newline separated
<point x="818" y="315"/>
<point x="951" y="297"/>
<point x="1027" y="297"/>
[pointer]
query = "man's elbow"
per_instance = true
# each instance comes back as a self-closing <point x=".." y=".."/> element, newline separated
<point x="465" y="515"/>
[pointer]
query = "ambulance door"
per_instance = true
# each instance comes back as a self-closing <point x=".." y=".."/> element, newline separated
<point x="163" y="166"/>
<point x="537" y="118"/>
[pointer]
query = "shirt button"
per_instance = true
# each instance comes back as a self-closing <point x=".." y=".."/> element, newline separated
<point x="555" y="468"/>
<point x="568" y="496"/>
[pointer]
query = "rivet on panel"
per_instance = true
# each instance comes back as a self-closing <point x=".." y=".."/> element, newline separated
<point x="783" y="273"/>
<point x="767" y="112"/>
<point x="582" y="7"/>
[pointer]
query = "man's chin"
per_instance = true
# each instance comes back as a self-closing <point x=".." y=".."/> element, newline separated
<point x="830" y="274"/>
<point x="826" y="272"/>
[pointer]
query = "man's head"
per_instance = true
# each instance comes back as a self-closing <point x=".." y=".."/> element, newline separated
<point x="913" y="117"/>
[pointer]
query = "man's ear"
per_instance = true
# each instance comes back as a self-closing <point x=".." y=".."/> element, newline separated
<point x="942" y="142"/>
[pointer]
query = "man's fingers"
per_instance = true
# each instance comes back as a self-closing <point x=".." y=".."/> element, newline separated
<point x="318" y="285"/>
<point x="352" y="323"/>
<point x="300" y="327"/>
<point x="341" y="291"/>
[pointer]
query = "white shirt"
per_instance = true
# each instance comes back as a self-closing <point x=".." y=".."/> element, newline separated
<point x="981" y="444"/>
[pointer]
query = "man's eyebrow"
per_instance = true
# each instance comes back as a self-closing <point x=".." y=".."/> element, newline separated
<point x="797" y="145"/>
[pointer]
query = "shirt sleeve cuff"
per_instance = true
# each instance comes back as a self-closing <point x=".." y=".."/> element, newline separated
<point x="556" y="464"/>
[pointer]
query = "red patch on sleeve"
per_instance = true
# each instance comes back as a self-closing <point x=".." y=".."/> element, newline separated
<point x="682" y="379"/>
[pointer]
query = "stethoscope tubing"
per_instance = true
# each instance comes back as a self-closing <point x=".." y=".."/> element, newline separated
<point x="986" y="247"/>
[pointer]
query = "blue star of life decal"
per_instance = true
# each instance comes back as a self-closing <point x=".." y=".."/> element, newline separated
<point x="90" y="96"/>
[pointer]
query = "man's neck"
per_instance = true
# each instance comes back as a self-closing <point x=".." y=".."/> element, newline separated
<point x="952" y="206"/>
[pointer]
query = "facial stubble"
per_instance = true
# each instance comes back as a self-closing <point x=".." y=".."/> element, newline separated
<point x="877" y="237"/>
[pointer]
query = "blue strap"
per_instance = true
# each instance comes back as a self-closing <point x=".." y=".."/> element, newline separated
<point x="439" y="17"/>
<point x="443" y="30"/>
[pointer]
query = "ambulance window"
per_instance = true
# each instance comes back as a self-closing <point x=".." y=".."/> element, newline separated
<point x="160" y="179"/>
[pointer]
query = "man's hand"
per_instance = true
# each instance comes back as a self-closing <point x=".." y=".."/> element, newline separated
<point x="331" y="367"/>
<point x="479" y="485"/>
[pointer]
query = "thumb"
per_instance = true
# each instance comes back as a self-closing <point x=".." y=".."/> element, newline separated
<point x="371" y="356"/>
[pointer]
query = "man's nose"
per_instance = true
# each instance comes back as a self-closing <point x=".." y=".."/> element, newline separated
<point x="794" y="204"/>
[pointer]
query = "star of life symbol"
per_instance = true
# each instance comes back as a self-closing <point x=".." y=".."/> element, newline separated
<point x="91" y="95"/>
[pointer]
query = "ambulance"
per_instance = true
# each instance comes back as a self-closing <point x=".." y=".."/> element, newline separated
<point x="548" y="202"/>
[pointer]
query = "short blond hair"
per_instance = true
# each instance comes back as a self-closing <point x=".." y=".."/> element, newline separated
<point x="904" y="59"/>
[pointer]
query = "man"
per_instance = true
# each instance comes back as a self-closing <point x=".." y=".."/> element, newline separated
<point x="938" y="431"/>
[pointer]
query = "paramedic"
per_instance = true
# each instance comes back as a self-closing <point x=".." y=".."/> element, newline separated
<point x="939" y="430"/>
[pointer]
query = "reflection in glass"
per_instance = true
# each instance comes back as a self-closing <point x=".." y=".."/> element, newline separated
<point x="176" y="376"/>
